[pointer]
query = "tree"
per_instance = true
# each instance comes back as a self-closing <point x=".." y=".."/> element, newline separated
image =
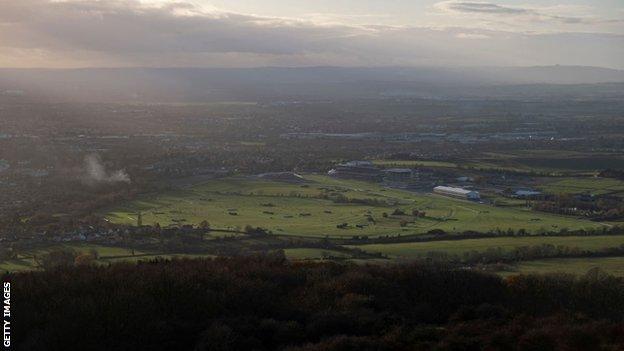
<point x="204" y="225"/>
<point x="94" y="253"/>
<point x="55" y="259"/>
<point x="85" y="259"/>
<point x="398" y="212"/>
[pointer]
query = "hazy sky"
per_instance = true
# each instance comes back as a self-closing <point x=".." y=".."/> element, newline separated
<point x="235" y="33"/>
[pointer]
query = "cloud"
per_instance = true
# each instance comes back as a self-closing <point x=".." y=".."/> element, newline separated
<point x="564" y="14"/>
<point x="471" y="36"/>
<point x="130" y="33"/>
<point x="479" y="7"/>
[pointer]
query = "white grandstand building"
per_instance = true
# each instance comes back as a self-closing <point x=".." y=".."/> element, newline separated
<point x="457" y="192"/>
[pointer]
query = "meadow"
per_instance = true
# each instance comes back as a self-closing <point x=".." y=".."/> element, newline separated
<point x="25" y="261"/>
<point x="562" y="161"/>
<point x="555" y="162"/>
<point x="610" y="265"/>
<point x="590" y="185"/>
<point x="311" y="209"/>
<point x="459" y="247"/>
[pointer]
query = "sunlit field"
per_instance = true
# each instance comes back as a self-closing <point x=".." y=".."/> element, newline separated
<point x="311" y="208"/>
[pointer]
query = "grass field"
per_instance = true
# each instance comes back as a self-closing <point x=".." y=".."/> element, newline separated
<point x="566" y="161"/>
<point x="25" y="260"/>
<point x="596" y="186"/>
<point x="301" y="210"/>
<point x="611" y="265"/>
<point x="107" y="254"/>
<point x="553" y="162"/>
<point x="458" y="247"/>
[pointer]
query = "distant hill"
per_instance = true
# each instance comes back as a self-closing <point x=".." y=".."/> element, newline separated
<point x="207" y="84"/>
<point x="553" y="75"/>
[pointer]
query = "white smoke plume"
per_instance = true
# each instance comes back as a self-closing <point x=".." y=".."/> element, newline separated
<point x="96" y="172"/>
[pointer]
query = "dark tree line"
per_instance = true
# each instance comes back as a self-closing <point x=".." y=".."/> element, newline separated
<point x="269" y="303"/>
<point x="605" y="208"/>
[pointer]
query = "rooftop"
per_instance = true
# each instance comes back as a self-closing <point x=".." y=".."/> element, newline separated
<point x="453" y="190"/>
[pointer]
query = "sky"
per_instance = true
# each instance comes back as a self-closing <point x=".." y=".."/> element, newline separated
<point x="252" y="33"/>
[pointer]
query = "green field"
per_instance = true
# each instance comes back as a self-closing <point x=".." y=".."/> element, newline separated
<point x="554" y="162"/>
<point x="305" y="209"/>
<point x="591" y="185"/>
<point x="565" y="161"/>
<point x="611" y="265"/>
<point x="25" y="260"/>
<point x="458" y="247"/>
<point x="107" y="254"/>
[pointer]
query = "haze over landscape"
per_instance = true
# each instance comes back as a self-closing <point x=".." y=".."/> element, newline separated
<point x="321" y="175"/>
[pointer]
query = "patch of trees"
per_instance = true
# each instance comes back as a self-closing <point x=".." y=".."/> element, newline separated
<point x="523" y="253"/>
<point x="269" y="303"/>
<point x="256" y="231"/>
<point x="440" y="234"/>
<point x="342" y="199"/>
<point x="65" y="258"/>
<point x="600" y="209"/>
<point x="7" y="253"/>
<point x="612" y="173"/>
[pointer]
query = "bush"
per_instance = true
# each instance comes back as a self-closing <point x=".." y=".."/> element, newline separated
<point x="398" y="212"/>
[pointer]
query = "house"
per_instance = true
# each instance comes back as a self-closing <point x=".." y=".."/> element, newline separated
<point x="526" y="193"/>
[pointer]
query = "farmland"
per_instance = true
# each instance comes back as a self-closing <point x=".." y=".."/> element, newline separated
<point x="610" y="265"/>
<point x="595" y="186"/>
<point x="459" y="247"/>
<point x="317" y="207"/>
<point x="25" y="261"/>
<point x="557" y="162"/>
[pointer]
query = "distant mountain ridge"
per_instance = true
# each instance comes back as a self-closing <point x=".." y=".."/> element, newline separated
<point x="199" y="84"/>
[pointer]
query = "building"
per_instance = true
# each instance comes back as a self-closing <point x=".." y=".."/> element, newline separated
<point x="457" y="192"/>
<point x="363" y="170"/>
<point x="526" y="193"/>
